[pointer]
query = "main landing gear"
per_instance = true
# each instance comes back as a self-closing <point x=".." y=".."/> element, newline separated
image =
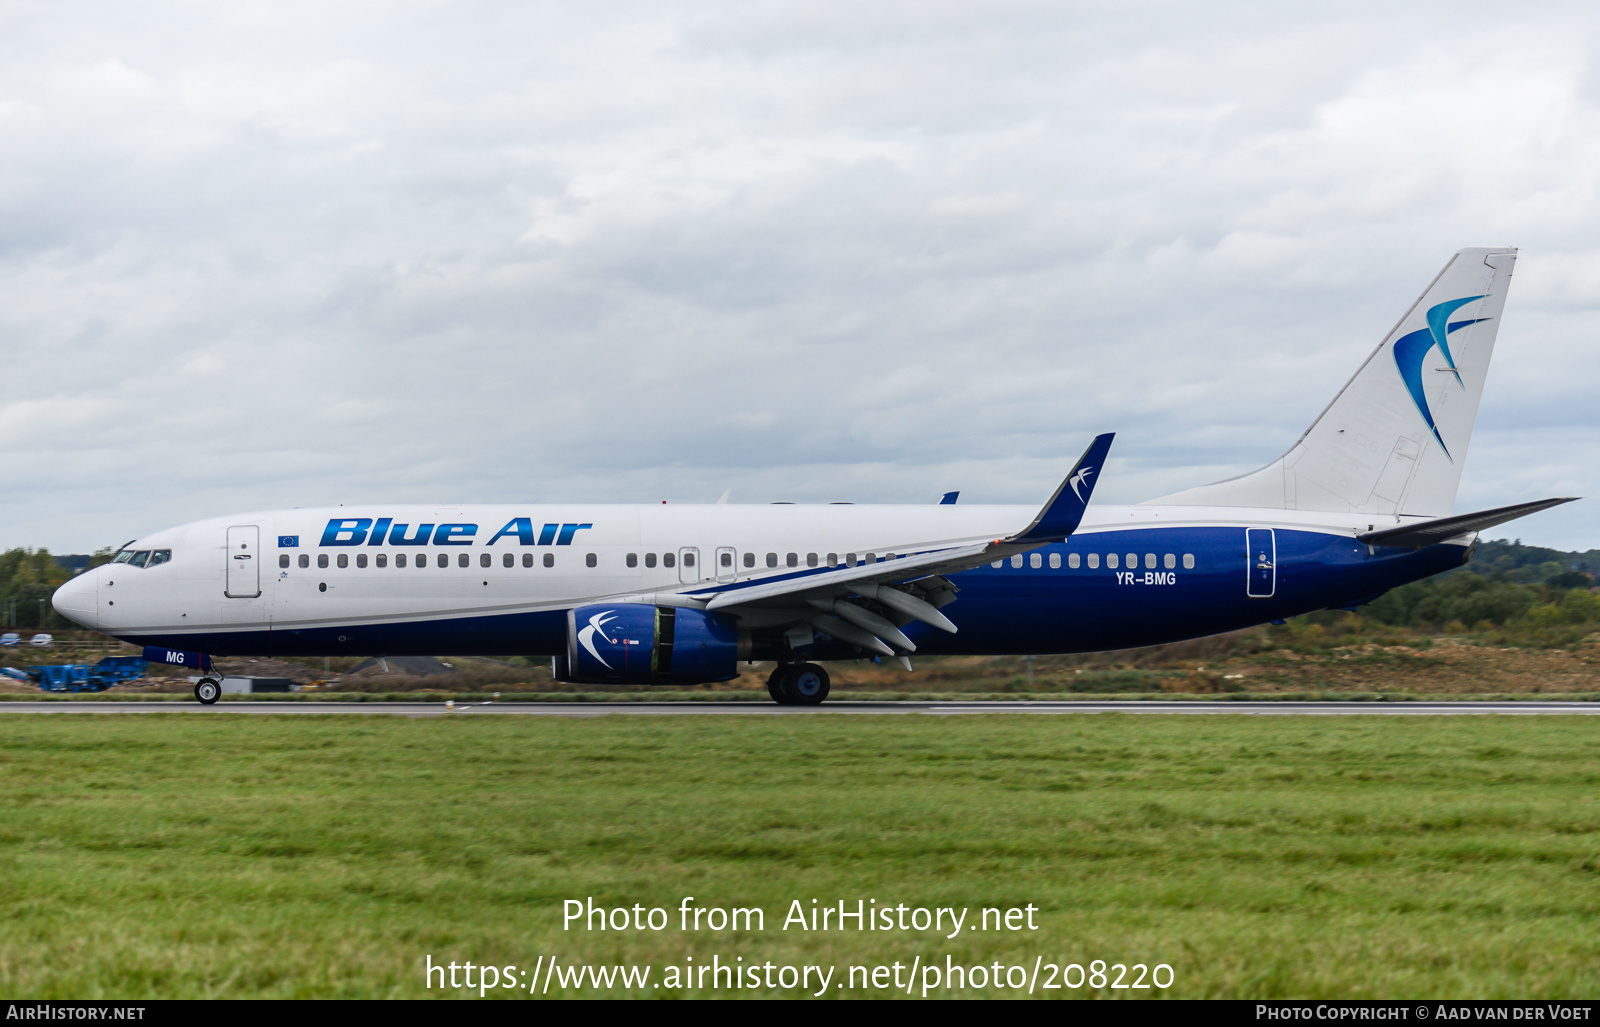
<point x="207" y="691"/>
<point x="798" y="684"/>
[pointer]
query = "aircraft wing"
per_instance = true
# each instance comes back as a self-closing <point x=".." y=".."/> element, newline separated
<point x="910" y="586"/>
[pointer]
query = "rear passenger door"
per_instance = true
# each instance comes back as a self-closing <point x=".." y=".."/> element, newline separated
<point x="689" y="565"/>
<point x="1261" y="554"/>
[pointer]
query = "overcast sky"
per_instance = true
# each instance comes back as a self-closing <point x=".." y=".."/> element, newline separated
<point x="279" y="254"/>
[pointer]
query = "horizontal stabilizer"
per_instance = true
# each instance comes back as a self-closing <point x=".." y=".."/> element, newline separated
<point x="1427" y="533"/>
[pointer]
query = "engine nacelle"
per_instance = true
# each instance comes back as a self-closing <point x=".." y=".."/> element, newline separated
<point x="631" y="643"/>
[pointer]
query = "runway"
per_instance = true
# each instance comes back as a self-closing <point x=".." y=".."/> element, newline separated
<point x="760" y="709"/>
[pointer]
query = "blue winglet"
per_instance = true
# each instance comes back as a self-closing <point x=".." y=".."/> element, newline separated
<point x="1061" y="516"/>
<point x="949" y="499"/>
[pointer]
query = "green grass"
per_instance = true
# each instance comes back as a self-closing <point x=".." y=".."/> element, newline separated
<point x="183" y="856"/>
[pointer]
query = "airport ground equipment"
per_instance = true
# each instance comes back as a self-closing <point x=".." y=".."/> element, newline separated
<point x="68" y="677"/>
<point x="79" y="677"/>
<point x="113" y="669"/>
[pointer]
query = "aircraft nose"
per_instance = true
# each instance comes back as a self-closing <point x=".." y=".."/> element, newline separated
<point x="78" y="599"/>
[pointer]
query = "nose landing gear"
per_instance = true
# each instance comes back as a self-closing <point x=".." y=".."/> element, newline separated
<point x="207" y="691"/>
<point x="799" y="684"/>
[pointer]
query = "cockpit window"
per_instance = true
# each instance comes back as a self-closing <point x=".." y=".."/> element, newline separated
<point x="143" y="557"/>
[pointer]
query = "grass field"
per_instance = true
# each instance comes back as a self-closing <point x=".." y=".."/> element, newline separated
<point x="179" y="856"/>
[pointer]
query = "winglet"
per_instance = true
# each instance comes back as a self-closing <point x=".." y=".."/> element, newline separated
<point x="1060" y="516"/>
<point x="949" y="499"/>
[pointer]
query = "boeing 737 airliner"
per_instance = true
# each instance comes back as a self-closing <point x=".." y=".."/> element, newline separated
<point x="681" y="594"/>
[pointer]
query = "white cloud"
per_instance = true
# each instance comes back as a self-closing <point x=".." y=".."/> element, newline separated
<point x="279" y="255"/>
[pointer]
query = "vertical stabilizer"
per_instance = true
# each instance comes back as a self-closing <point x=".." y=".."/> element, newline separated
<point x="1394" y="439"/>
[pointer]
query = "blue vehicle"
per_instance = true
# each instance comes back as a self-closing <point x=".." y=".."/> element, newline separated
<point x="69" y="677"/>
<point x="78" y="677"/>
<point x="113" y="669"/>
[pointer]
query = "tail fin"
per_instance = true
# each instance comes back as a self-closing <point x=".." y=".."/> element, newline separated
<point x="1395" y="437"/>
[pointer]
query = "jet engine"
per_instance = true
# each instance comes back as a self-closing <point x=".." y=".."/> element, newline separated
<point x="631" y="643"/>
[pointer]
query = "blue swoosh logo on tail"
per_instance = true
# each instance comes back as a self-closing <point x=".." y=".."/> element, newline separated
<point x="1437" y="318"/>
<point x="1410" y="351"/>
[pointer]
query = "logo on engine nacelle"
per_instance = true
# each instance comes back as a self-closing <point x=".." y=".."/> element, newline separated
<point x="596" y="624"/>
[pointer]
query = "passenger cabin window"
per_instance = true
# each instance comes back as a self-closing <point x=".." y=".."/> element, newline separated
<point x="283" y="559"/>
<point x="1133" y="560"/>
<point x="443" y="559"/>
<point x="1188" y="561"/>
<point x="1035" y="561"/>
<point x="727" y="560"/>
<point x="1016" y="561"/>
<point x="527" y="559"/>
<point x="422" y="560"/>
<point x="344" y="560"/>
<point x="361" y="559"/>
<point x="322" y="559"/>
<point x="811" y="559"/>
<point x="668" y="560"/>
<point x="633" y="559"/>
<point x="589" y="560"/>
<point x="1055" y="561"/>
<point x="869" y="558"/>
<point x="399" y="559"/>
<point x="649" y="559"/>
<point x="1149" y="561"/>
<point x="1111" y="561"/>
<point x="485" y="560"/>
<point x="1169" y="561"/>
<point x="772" y="559"/>
<point x="549" y="559"/>
<point x="793" y="559"/>
<point x="849" y="559"/>
<point x="462" y="560"/>
<point x="688" y="559"/>
<point x="509" y="560"/>
<point x="1072" y="560"/>
<point x="383" y="560"/>
<point x="833" y="559"/>
<point x="998" y="564"/>
<point x="749" y="559"/>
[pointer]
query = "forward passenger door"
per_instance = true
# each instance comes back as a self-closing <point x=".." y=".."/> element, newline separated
<point x="244" y="562"/>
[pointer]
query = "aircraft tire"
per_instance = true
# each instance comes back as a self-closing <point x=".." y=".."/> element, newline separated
<point x="807" y="684"/>
<point x="207" y="691"/>
<point x="778" y="685"/>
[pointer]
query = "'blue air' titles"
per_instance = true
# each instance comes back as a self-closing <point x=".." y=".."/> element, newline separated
<point x="358" y="531"/>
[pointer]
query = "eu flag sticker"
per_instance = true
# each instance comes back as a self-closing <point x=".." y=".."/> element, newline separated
<point x="288" y="541"/>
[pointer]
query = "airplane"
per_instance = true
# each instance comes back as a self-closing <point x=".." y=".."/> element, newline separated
<point x="683" y="594"/>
